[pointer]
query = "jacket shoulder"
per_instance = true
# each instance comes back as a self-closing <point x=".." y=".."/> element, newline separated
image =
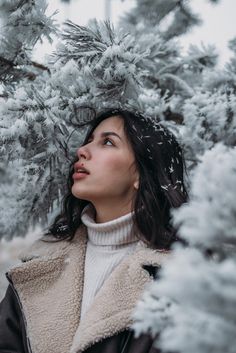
<point x="48" y="245"/>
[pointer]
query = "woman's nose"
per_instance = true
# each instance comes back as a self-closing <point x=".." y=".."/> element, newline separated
<point x="83" y="152"/>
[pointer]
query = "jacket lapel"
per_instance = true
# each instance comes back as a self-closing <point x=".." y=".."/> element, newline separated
<point x="49" y="286"/>
<point x="112" y="308"/>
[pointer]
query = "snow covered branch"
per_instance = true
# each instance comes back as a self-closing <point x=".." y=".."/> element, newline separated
<point x="190" y="307"/>
<point x="23" y="24"/>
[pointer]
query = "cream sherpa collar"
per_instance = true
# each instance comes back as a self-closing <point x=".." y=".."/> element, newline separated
<point x="50" y="284"/>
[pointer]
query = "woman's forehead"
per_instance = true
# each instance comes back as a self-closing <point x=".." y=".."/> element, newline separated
<point x="114" y="123"/>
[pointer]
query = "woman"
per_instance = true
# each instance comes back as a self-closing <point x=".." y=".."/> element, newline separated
<point x="78" y="285"/>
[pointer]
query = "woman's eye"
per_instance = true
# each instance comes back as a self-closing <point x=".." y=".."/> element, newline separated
<point x="108" y="140"/>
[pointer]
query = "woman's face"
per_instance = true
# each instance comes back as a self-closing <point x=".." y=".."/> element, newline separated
<point x="110" y="161"/>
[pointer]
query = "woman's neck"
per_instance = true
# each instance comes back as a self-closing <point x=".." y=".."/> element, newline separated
<point x="106" y="212"/>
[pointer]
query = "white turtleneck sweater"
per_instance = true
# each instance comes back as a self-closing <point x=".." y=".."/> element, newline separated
<point x="108" y="243"/>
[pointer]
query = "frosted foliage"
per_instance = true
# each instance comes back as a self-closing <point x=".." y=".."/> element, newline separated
<point x="27" y="15"/>
<point x="41" y="117"/>
<point x="155" y="310"/>
<point x="9" y="197"/>
<point x="209" y="219"/>
<point x="207" y="54"/>
<point x="147" y="100"/>
<point x="10" y="4"/>
<point x="109" y="61"/>
<point x="23" y="23"/>
<point x="40" y="138"/>
<point x="231" y="65"/>
<point x="191" y="305"/>
<point x="22" y="208"/>
<point x="96" y="65"/>
<point x="209" y="118"/>
<point x="213" y="80"/>
<point x="122" y="64"/>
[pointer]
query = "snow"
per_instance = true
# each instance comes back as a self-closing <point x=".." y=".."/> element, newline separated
<point x="190" y="306"/>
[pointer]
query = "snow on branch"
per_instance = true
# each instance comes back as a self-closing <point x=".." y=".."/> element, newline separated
<point x="209" y="220"/>
<point x="189" y="308"/>
<point x="108" y="60"/>
<point x="23" y="24"/>
<point x="209" y="117"/>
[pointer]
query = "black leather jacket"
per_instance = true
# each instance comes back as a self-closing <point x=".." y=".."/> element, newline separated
<point x="12" y="327"/>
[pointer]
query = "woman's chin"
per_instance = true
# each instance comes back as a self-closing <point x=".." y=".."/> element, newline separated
<point x="79" y="194"/>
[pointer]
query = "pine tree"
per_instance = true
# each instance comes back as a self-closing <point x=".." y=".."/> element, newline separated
<point x="23" y="24"/>
<point x="41" y="104"/>
<point x="210" y="115"/>
<point x="189" y="309"/>
<point x="95" y="65"/>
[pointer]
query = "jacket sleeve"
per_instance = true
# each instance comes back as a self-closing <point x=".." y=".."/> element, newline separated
<point x="12" y="330"/>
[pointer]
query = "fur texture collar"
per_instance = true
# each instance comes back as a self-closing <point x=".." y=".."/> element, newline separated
<point x="49" y="284"/>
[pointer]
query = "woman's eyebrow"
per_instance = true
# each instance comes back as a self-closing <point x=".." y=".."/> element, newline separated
<point x="107" y="133"/>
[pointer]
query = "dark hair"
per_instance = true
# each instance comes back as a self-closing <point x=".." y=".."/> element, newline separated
<point x="161" y="167"/>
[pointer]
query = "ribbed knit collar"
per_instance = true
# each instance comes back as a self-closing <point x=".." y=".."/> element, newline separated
<point x="113" y="233"/>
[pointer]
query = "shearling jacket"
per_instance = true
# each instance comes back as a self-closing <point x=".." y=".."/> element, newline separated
<point x="41" y="309"/>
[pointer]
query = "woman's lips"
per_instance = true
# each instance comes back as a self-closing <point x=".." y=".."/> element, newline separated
<point x="80" y="167"/>
<point x="79" y="175"/>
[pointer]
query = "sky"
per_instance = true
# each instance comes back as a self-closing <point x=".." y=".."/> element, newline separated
<point x="217" y="28"/>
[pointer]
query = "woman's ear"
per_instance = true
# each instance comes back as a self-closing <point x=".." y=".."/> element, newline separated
<point x="136" y="177"/>
<point x="136" y="184"/>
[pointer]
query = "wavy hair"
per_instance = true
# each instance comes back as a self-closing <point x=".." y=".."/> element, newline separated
<point x="161" y="167"/>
